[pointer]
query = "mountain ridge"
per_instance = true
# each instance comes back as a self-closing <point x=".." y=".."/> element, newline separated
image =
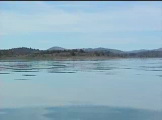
<point x="86" y="49"/>
<point x="106" y="49"/>
<point x="56" y="48"/>
<point x="100" y="49"/>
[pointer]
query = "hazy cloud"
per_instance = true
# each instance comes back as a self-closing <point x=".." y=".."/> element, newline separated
<point x="42" y="17"/>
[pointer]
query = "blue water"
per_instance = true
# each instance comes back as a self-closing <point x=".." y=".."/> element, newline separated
<point x="116" y="89"/>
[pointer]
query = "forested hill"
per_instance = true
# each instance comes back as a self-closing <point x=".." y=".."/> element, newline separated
<point x="18" y="51"/>
<point x="24" y="52"/>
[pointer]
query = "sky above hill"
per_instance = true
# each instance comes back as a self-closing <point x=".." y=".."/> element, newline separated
<point x="81" y="24"/>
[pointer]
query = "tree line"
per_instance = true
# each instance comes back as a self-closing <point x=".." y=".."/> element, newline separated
<point x="29" y="52"/>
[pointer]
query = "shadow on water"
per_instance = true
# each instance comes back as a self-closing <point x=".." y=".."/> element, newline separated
<point x="21" y="79"/>
<point x="79" y="113"/>
<point x="4" y="73"/>
<point x="57" y="67"/>
<point x="59" y="72"/>
<point x="101" y="113"/>
<point x="28" y="75"/>
<point x="150" y="67"/>
<point x="25" y="71"/>
<point x="159" y="75"/>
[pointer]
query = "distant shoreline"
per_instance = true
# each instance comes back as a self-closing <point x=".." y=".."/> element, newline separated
<point x="77" y="58"/>
<point x="74" y="54"/>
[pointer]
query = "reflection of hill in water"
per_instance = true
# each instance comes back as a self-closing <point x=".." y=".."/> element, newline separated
<point x="79" y="113"/>
<point x="30" y="68"/>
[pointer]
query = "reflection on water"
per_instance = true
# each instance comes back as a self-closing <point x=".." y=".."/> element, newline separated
<point x="4" y="73"/>
<point x="101" y="113"/>
<point x="21" y="79"/>
<point x="29" y="75"/>
<point x="132" y="86"/>
<point x="79" y="113"/>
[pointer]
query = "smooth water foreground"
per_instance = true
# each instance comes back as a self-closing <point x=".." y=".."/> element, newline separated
<point x="117" y="89"/>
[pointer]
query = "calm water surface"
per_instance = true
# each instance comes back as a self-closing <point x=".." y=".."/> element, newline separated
<point x="120" y="89"/>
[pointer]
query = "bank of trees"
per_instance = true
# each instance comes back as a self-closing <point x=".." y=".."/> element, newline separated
<point x="29" y="52"/>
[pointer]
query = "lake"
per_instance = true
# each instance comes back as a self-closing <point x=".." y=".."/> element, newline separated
<point x="115" y="89"/>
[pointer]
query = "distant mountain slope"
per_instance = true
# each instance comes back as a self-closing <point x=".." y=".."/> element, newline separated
<point x="56" y="48"/>
<point x="56" y="52"/>
<point x="160" y="49"/>
<point x="23" y="50"/>
<point x="143" y="50"/>
<point x="100" y="49"/>
<point x="136" y="51"/>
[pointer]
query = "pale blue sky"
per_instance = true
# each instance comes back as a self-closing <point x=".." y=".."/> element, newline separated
<point x="119" y="25"/>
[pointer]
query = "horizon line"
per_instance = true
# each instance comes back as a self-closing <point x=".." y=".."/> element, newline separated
<point x="80" y="48"/>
